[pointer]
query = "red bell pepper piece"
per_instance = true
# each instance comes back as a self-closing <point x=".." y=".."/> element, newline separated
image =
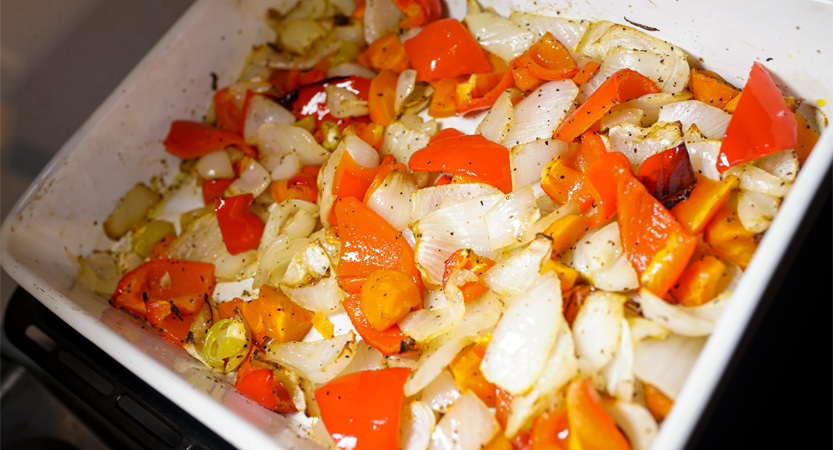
<point x="482" y="89"/>
<point x="229" y="114"/>
<point x="373" y="425"/>
<point x="472" y="156"/>
<point x="418" y="12"/>
<point x="604" y="175"/>
<point x="547" y="59"/>
<point x="445" y="49"/>
<point x="301" y="186"/>
<point x="187" y="139"/>
<point x="160" y="248"/>
<point x="260" y="385"/>
<point x="668" y="175"/>
<point x="240" y="228"/>
<point x="620" y="87"/>
<point x="652" y="238"/>
<point x="446" y="133"/>
<point x="761" y="125"/>
<point x="212" y="189"/>
<point x="351" y="180"/>
<point x="312" y="99"/>
<point x="592" y="148"/>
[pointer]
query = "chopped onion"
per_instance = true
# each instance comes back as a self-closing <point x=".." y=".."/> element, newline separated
<point x="402" y="142"/>
<point x="597" y="329"/>
<point x="650" y="104"/>
<point x="236" y="267"/>
<point x="634" y="420"/>
<point x="646" y="329"/>
<point x="499" y="118"/>
<point x="561" y="367"/>
<point x="507" y="220"/>
<point x="292" y="383"/>
<point x="417" y="425"/>
<point x="633" y="116"/>
<point x="275" y="259"/>
<point x="499" y="35"/>
<point x="254" y="179"/>
<point x="343" y="103"/>
<point x="544" y="222"/>
<point x="755" y="179"/>
<point x="618" y="373"/>
<point x="279" y="139"/>
<point x="440" y="313"/>
<point x="348" y="69"/>
<point x="567" y="31"/>
<point x="99" y="272"/>
<point x="366" y="357"/>
<point x="282" y="167"/>
<point x="711" y="121"/>
<point x="600" y="257"/>
<point x="702" y="153"/>
<point x="318" y="433"/>
<point x="392" y="199"/>
<point x="468" y="425"/>
<point x="527" y="161"/>
<point x="405" y="86"/>
<point x="510" y="278"/>
<point x="215" y="165"/>
<point x="541" y="112"/>
<point x="432" y="362"/>
<point x="415" y="122"/>
<point x="522" y="341"/>
<point x="289" y="218"/>
<point x="317" y="361"/>
<point x="429" y="199"/>
<point x="380" y="18"/>
<point x="298" y="36"/>
<point x="756" y="210"/>
<point x="449" y="229"/>
<point x="783" y="164"/>
<point x="131" y="209"/>
<point x="310" y="281"/>
<point x="440" y="393"/>
<point x="639" y="143"/>
<point x="200" y="241"/>
<point x="682" y="320"/>
<point x="666" y="364"/>
<point x="264" y="110"/>
<point x="264" y="55"/>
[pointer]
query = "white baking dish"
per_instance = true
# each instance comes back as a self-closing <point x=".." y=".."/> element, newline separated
<point x="121" y="145"/>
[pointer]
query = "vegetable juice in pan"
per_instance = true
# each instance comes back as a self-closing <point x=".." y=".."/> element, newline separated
<point x="544" y="280"/>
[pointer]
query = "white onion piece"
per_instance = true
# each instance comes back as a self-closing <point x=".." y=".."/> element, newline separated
<point x="440" y="313"/>
<point x="405" y="86"/>
<point x="417" y="425"/>
<point x="282" y="167"/>
<point x="215" y="165"/>
<point x="634" y="420"/>
<point x="441" y="393"/>
<point x="512" y="277"/>
<point x="600" y="257"/>
<point x="366" y="357"/>
<point x="702" y="153"/>
<point x="666" y="364"/>
<point x="343" y="103"/>
<point x="618" y="373"/>
<point x="541" y="112"/>
<point x="275" y="259"/>
<point x="711" y="121"/>
<point x="632" y="116"/>
<point x="597" y="329"/>
<point x="415" y="122"/>
<point x="200" y="241"/>
<point x="348" y="69"/>
<point x="527" y="161"/>
<point x="646" y="329"/>
<point x="380" y="18"/>
<point x="432" y="362"/>
<point x="239" y="91"/>
<point x="298" y="36"/>
<point x="317" y="361"/>
<point x="650" y="104"/>
<point x="682" y="320"/>
<point x="507" y="221"/>
<point x="392" y="199"/>
<point x="345" y="7"/>
<point x="130" y="210"/>
<point x="254" y="179"/>
<point x="522" y="341"/>
<point x="427" y="200"/>
<point x="264" y="110"/>
<point x="318" y="433"/>
<point x="783" y="164"/>
<point x="310" y="281"/>
<point x="481" y="315"/>
<point x="266" y="56"/>
<point x="567" y="31"/>
<point x="544" y="222"/>
<point x="99" y="272"/>
<point x="499" y="35"/>
<point x="402" y="142"/>
<point x="447" y="230"/>
<point x="283" y="214"/>
<point x="753" y="178"/>
<point x="640" y="143"/>
<point x="353" y="31"/>
<point x="499" y="118"/>
<point x="756" y="210"/>
<point x="561" y="367"/>
<point x="279" y="139"/>
<point x="323" y="295"/>
<point x="468" y="425"/>
<point x="236" y="267"/>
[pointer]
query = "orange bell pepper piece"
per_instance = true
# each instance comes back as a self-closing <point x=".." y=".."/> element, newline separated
<point x="728" y="237"/>
<point x="390" y="341"/>
<point x="473" y="156"/>
<point x="387" y="296"/>
<point x="272" y="315"/>
<point x="467" y="259"/>
<point x="709" y="88"/>
<point x="572" y="301"/>
<point x="566" y="274"/>
<point x="665" y="268"/>
<point x="604" y="175"/>
<point x="620" y="87"/>
<point x="566" y="231"/>
<point x="564" y="183"/>
<point x="499" y="442"/>
<point x="592" y="148"/>
<point x="548" y="59"/>
<point x="551" y="431"/>
<point x="301" y="186"/>
<point x="482" y="89"/>
<point x="658" y="404"/>
<point x="701" y="281"/>
<point x="444" y="49"/>
<point x="586" y="73"/>
<point x="418" y="12"/>
<point x="442" y="100"/>
<point x="382" y="98"/>
<point x="703" y="202"/>
<point x="351" y="180"/>
<point x="387" y="53"/>
<point x="225" y="310"/>
<point x="372" y="133"/>
<point x="591" y="427"/>
<point x="465" y="367"/>
<point x="323" y="325"/>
